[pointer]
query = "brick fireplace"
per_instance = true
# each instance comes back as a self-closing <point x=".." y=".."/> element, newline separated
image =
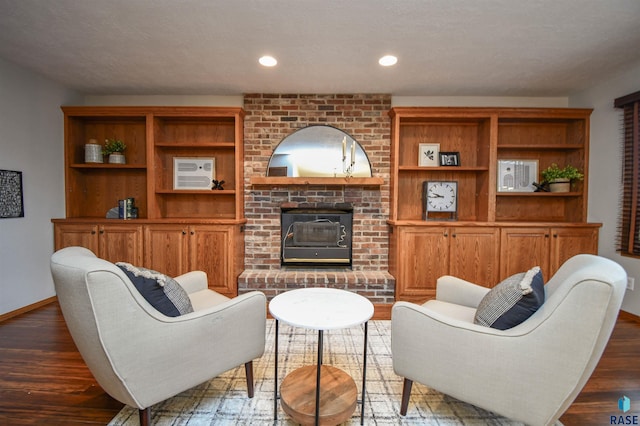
<point x="271" y="117"/>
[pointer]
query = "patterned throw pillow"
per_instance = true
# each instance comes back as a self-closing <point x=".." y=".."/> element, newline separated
<point x="512" y="301"/>
<point x="162" y="292"/>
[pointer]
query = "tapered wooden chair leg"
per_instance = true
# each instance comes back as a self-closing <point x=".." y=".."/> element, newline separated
<point x="406" y="394"/>
<point x="145" y="416"/>
<point x="248" y="369"/>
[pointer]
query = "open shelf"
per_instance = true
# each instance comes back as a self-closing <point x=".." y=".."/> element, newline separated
<point x="482" y="136"/>
<point x="89" y="166"/>
<point x="556" y="147"/>
<point x="539" y="194"/>
<point x="154" y="137"/>
<point x="202" y="145"/>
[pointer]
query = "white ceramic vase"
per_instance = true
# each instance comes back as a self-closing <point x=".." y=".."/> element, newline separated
<point x="92" y="153"/>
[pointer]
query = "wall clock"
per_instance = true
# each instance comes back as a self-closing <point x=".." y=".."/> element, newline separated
<point x="440" y="199"/>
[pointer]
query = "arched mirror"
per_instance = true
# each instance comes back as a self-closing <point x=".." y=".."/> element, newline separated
<point x="319" y="151"/>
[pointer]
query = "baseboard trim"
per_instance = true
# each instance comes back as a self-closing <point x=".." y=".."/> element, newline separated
<point x="27" y="308"/>
<point x="629" y="316"/>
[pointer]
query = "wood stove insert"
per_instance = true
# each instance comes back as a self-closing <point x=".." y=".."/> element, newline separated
<point x="316" y="236"/>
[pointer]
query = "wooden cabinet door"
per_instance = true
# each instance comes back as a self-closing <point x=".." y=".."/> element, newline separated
<point x="210" y="250"/>
<point x="475" y="255"/>
<point x="73" y="234"/>
<point x="567" y="242"/>
<point x="423" y="257"/>
<point x="166" y="248"/>
<point x="523" y="248"/>
<point x="121" y="243"/>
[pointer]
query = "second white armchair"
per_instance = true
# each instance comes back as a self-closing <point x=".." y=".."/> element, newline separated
<point x="531" y="372"/>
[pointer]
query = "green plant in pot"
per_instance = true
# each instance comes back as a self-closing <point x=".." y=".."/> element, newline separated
<point x="559" y="180"/>
<point x="114" y="148"/>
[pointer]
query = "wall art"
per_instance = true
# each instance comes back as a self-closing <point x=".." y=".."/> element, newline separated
<point x="11" y="197"/>
<point x="428" y="154"/>
<point x="517" y="175"/>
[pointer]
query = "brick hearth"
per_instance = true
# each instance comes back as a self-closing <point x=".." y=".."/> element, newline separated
<point x="271" y="117"/>
<point x="374" y="285"/>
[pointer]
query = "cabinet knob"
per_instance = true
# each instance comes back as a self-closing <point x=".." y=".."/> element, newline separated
<point x="446" y="235"/>
<point x="93" y="232"/>
<point x="102" y="231"/>
<point x="184" y="232"/>
<point x="453" y="235"/>
<point x="193" y="232"/>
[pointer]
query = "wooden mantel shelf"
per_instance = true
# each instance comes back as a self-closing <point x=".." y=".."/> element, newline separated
<point x="326" y="181"/>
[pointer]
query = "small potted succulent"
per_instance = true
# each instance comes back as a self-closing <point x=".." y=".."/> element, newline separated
<point x="114" y="148"/>
<point x="559" y="180"/>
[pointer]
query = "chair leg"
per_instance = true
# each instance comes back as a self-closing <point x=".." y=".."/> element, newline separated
<point x="406" y="394"/>
<point x="145" y="416"/>
<point x="248" y="369"/>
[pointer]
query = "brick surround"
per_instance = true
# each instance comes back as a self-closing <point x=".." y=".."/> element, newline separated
<point x="271" y="117"/>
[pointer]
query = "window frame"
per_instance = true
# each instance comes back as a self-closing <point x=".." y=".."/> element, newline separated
<point x="629" y="221"/>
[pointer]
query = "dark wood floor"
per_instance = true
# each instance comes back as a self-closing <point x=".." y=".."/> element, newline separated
<point x="43" y="379"/>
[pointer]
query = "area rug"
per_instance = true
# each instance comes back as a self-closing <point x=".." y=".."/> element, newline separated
<point x="223" y="400"/>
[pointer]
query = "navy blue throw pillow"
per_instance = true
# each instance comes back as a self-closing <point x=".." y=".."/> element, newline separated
<point x="512" y="301"/>
<point x="162" y="292"/>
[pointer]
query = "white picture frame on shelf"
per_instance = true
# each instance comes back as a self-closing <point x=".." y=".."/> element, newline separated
<point x="428" y="154"/>
<point x="517" y="175"/>
<point x="193" y="172"/>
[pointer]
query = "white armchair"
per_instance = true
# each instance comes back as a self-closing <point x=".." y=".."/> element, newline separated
<point x="140" y="356"/>
<point x="531" y="372"/>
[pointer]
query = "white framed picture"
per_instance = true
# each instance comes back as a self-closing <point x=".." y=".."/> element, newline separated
<point x="517" y="175"/>
<point x="193" y="172"/>
<point x="428" y="154"/>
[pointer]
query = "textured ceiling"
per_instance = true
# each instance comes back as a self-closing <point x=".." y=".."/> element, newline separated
<point x="445" y="47"/>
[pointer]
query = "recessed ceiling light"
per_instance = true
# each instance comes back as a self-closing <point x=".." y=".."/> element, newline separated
<point x="388" y="60"/>
<point x="268" y="61"/>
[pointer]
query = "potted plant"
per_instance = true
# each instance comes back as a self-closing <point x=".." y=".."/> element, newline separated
<point x="559" y="180"/>
<point x="114" y="148"/>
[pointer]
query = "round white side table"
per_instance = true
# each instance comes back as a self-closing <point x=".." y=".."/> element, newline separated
<point x="319" y="309"/>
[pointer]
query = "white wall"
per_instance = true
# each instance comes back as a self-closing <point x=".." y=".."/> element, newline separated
<point x="31" y="142"/>
<point x="605" y="158"/>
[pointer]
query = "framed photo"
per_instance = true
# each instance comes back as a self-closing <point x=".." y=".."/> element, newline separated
<point x="517" y="175"/>
<point x="449" y="158"/>
<point x="428" y="154"/>
<point x="193" y="172"/>
<point x="11" y="197"/>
